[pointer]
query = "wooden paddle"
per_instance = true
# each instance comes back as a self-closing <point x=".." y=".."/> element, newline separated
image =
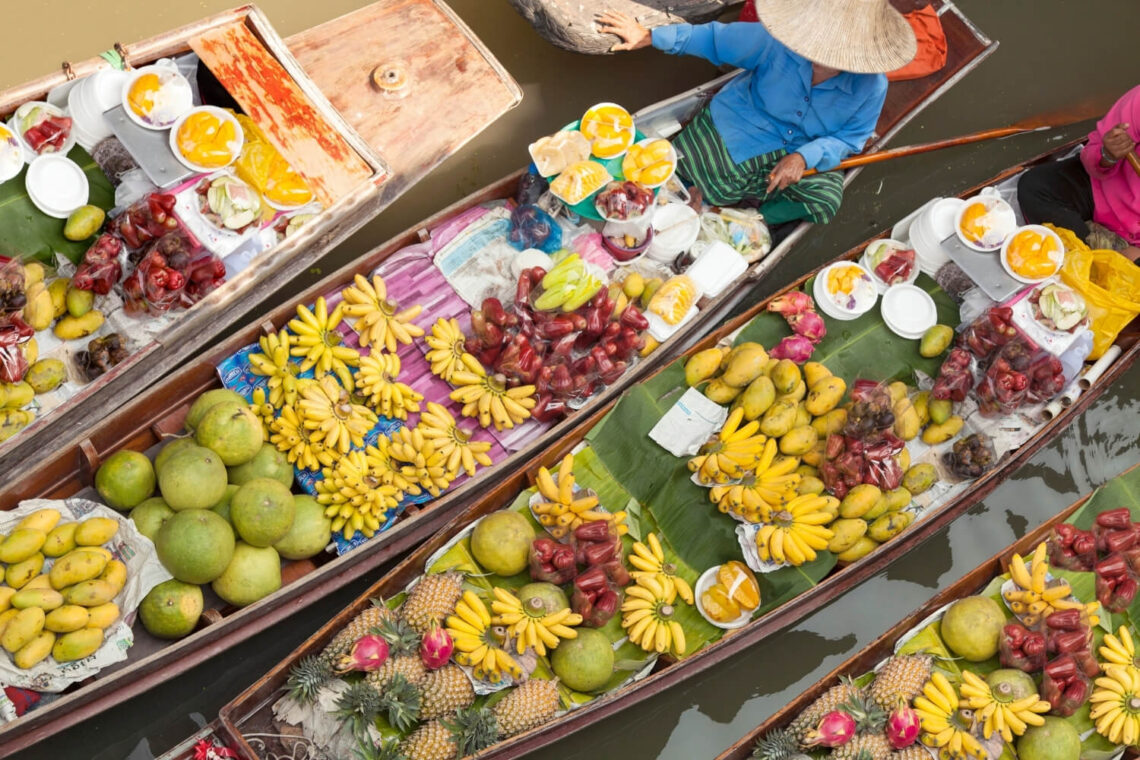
<point x="1053" y="120"/>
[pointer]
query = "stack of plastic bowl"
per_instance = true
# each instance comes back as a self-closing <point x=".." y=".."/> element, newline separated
<point x="929" y="229"/>
<point x="56" y="185"/>
<point x="89" y="100"/>
<point x="675" y="227"/>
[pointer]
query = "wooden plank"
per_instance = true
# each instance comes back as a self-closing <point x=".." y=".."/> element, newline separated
<point x="452" y="87"/>
<point x="270" y="97"/>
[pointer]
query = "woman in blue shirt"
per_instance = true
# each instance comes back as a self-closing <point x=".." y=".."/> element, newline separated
<point x="810" y="94"/>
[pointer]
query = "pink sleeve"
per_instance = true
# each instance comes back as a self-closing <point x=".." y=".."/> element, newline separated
<point x="1126" y="110"/>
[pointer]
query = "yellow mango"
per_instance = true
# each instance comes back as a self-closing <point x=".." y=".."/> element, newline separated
<point x="65" y="619"/>
<point x="798" y="441"/>
<point x="96" y="531"/>
<point x="921" y="403"/>
<point x="6" y="594"/>
<point x="757" y="397"/>
<point x="858" y="550"/>
<point x="702" y="365"/>
<point x="22" y="628"/>
<point x="919" y="478"/>
<point x="809" y="484"/>
<point x="6" y="617"/>
<point x="19" y="574"/>
<point x="732" y="353"/>
<point x="786" y="376"/>
<point x="880" y="508"/>
<point x="115" y="573"/>
<point x="825" y="395"/>
<point x="45" y="598"/>
<point x="903" y="458"/>
<point x="61" y="540"/>
<point x="935" y="341"/>
<point x="42" y="520"/>
<point x="897" y="499"/>
<point x="807" y="471"/>
<point x="35" y="650"/>
<point x="907" y="424"/>
<point x="43" y="580"/>
<point x="890" y="525"/>
<point x="814" y="372"/>
<point x="803" y="417"/>
<point x="859" y="500"/>
<point x="940" y="409"/>
<point x="74" y="328"/>
<point x="795" y="394"/>
<point x="897" y="390"/>
<point x="745" y="366"/>
<point x="21" y="544"/>
<point x="77" y="566"/>
<point x="779" y="419"/>
<point x="813" y="457"/>
<point x="103" y="615"/>
<point x="77" y="644"/>
<point x="847" y="531"/>
<point x="830" y="423"/>
<point x="935" y="434"/>
<point x="89" y="593"/>
<point x="720" y="392"/>
<point x="101" y="551"/>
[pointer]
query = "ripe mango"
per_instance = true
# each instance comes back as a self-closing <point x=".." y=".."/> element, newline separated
<point x="919" y="478"/>
<point x="35" y="650"/>
<point x="897" y="390"/>
<point x="846" y="532"/>
<point x="786" y="375"/>
<point x="859" y="500"/>
<point x="903" y="458"/>
<point x="921" y="403"/>
<point x="57" y="289"/>
<point x="84" y="222"/>
<point x="745" y="366"/>
<point x="825" y="395"/>
<point x="96" y="531"/>
<point x="702" y="365"/>
<point x="79" y="302"/>
<point x="732" y="352"/>
<point x="65" y="619"/>
<point x="43" y="580"/>
<point x="18" y="395"/>
<point x="940" y="409"/>
<point x="830" y="423"/>
<point x="757" y="397"/>
<point x="814" y="372"/>
<point x="907" y="424"/>
<point x="44" y="598"/>
<point x="115" y="573"/>
<point x="858" y="550"/>
<point x="633" y="285"/>
<point x="897" y="499"/>
<point x="890" y="525"/>
<point x="944" y="432"/>
<point x="806" y="471"/>
<point x="814" y="456"/>
<point x="43" y="520"/>
<point x="879" y="509"/>
<point x="6" y="594"/>
<point x="798" y="441"/>
<point x="38" y="310"/>
<point x="46" y="375"/>
<point x="779" y="419"/>
<point x="76" y="567"/>
<point x="22" y="628"/>
<point x="74" y="328"/>
<point x="89" y="593"/>
<point x="33" y="272"/>
<point x="6" y="617"/>
<point x="77" y="644"/>
<point x="21" y="544"/>
<point x="809" y="484"/>
<point x="795" y="394"/>
<point x="720" y="392"/>
<point x="61" y="540"/>
<point x="103" y="615"/>
<point x="935" y="341"/>
<point x="803" y="416"/>
<point x="19" y="574"/>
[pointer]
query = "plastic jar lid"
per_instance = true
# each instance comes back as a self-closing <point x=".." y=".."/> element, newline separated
<point x="56" y="185"/>
<point x="908" y="311"/>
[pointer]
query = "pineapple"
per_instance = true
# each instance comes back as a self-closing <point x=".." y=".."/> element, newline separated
<point x="359" y="705"/>
<point x="386" y="750"/>
<point x="830" y="700"/>
<point x="401" y="700"/>
<point x="777" y="745"/>
<point x="869" y="717"/>
<point x="432" y="600"/>
<point x="360" y="626"/>
<point x="444" y="691"/>
<point x="403" y="655"/>
<point x="530" y="704"/>
<point x="901" y="679"/>
<point x="306" y="678"/>
<point x="469" y="731"/>
<point x="431" y="741"/>
<point x="865" y="747"/>
<point x="913" y="752"/>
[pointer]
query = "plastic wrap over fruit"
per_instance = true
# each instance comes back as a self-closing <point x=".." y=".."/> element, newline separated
<point x="552" y="562"/>
<point x="531" y="227"/>
<point x="1065" y="686"/>
<point x="14" y="332"/>
<point x="100" y="269"/>
<point x="595" y="597"/>
<point x="12" y="295"/>
<point x="158" y="281"/>
<point x="530" y="189"/>
<point x="579" y="181"/>
<point x="621" y="201"/>
<point x="146" y="220"/>
<point x="1116" y="584"/>
<point x="971" y="456"/>
<point x="673" y="299"/>
<point x="1022" y="648"/>
<point x="267" y="171"/>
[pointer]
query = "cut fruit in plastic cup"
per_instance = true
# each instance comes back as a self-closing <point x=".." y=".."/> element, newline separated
<point x="850" y="282"/>
<point x="984" y="222"/>
<point x="650" y="162"/>
<point x="179" y="135"/>
<point x="56" y="185"/>
<point x="11" y="154"/>
<point x="704" y="583"/>
<point x="609" y="128"/>
<point x="154" y="97"/>
<point x="15" y="125"/>
<point x="908" y="311"/>
<point x="892" y="245"/>
<point x="1056" y="255"/>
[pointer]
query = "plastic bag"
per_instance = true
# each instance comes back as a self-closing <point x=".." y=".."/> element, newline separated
<point x="267" y="171"/>
<point x="531" y="227"/>
<point x="158" y="281"/>
<point x="12" y="298"/>
<point x="742" y="228"/>
<point x="13" y="333"/>
<point x="1110" y="285"/>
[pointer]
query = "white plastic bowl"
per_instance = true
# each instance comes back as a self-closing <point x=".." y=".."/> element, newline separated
<point x="179" y="92"/>
<point x="866" y="296"/>
<point x="56" y="185"/>
<point x="12" y="153"/>
<point x="1058" y="257"/>
<point x="908" y="311"/>
<point x="13" y="124"/>
<point x="235" y="145"/>
<point x="704" y="583"/>
<point x="896" y="245"/>
<point x="996" y="205"/>
<point x="676" y="227"/>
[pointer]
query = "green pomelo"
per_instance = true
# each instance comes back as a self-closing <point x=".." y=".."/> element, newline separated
<point x="171" y="609"/>
<point x="584" y="663"/>
<point x="501" y="542"/>
<point x="232" y="431"/>
<point x="169" y="450"/>
<point x="541" y="599"/>
<point x="223" y="507"/>
<point x="1010" y="685"/>
<point x="268" y="462"/>
<point x="149" y="516"/>
<point x="125" y="480"/>
<point x="195" y="545"/>
<point x="971" y="627"/>
<point x="203" y="403"/>
<point x="262" y="512"/>
<point x="310" y="533"/>
<point x="193" y="478"/>
<point x="1056" y="739"/>
<point x="253" y="573"/>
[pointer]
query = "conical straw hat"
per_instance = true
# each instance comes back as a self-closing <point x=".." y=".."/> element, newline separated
<point x="861" y="36"/>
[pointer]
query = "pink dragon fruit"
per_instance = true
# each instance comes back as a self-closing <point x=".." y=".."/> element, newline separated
<point x="835" y="729"/>
<point x="368" y="654"/>
<point x="808" y="324"/>
<point x="902" y="727"/>
<point x="436" y="648"/>
<point x="794" y="347"/>
<point x="791" y="304"/>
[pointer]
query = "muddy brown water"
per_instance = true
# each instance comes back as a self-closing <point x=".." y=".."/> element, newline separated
<point x="1053" y="54"/>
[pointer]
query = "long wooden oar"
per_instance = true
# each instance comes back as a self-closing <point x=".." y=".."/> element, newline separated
<point x="1056" y="120"/>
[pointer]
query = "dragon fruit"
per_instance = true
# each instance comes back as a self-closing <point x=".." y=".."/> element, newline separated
<point x="368" y="654"/>
<point x="835" y="729"/>
<point x="792" y="304"/>
<point x="808" y="324"/>
<point x="902" y="727"/>
<point x="794" y="347"/>
<point x="436" y="648"/>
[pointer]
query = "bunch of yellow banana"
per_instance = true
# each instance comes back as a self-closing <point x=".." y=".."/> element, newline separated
<point x="1118" y="649"/>
<point x="757" y="493"/>
<point x="379" y="322"/>
<point x="475" y="643"/>
<point x="353" y="499"/>
<point x="1116" y="704"/>
<point x="424" y="464"/>
<point x="793" y="532"/>
<point x="942" y="726"/>
<point x="649" y="559"/>
<point x="1007" y="717"/>
<point x="376" y="379"/>
<point x="1035" y="598"/>
<point x="452" y="441"/>
<point x="488" y="397"/>
<point x="530" y="624"/>
<point x="289" y="434"/>
<point x="732" y="452"/>
<point x="648" y="612"/>
<point x="336" y="422"/>
<point x="448" y="346"/>
<point x="386" y="469"/>
<point x="561" y="512"/>
<point x="274" y="363"/>
<point x="319" y="343"/>
<point x="264" y="411"/>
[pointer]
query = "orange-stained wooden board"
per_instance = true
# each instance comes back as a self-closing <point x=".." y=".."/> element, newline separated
<point x="454" y="88"/>
<point x="266" y="92"/>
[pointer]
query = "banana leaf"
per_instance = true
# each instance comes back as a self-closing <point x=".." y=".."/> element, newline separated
<point x="31" y="234"/>
<point x="864" y="347"/>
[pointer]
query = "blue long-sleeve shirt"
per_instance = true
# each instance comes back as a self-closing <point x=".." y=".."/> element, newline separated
<point x="773" y="104"/>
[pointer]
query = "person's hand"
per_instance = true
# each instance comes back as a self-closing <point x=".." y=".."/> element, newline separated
<point x="787" y="171"/>
<point x="632" y="34"/>
<point x="1117" y="142"/>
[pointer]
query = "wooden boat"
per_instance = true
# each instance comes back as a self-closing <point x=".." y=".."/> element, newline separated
<point x="151" y="414"/>
<point x="250" y="711"/>
<point x="377" y="147"/>
<point x="882" y="647"/>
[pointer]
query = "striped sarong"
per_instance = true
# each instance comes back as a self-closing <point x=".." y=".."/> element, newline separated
<point x="705" y="162"/>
